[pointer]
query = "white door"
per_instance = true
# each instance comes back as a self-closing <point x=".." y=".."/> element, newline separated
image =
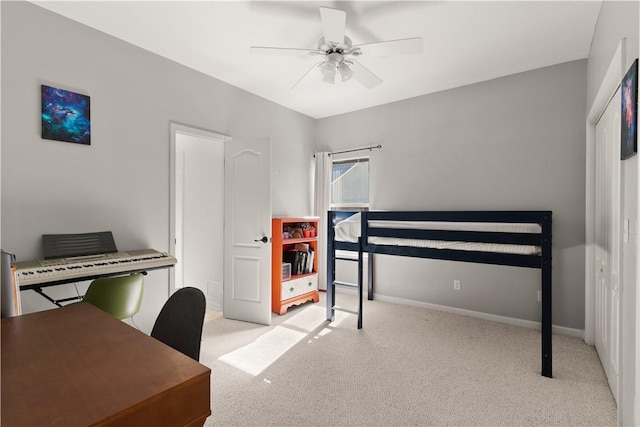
<point x="607" y="239"/>
<point x="247" y="269"/>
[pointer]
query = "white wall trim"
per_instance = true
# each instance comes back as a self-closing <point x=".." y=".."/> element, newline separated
<point x="174" y="129"/>
<point x="636" y="398"/>
<point x="608" y="87"/>
<point x="529" y="324"/>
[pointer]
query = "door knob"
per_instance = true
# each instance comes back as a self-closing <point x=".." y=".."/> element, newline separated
<point x="264" y="239"/>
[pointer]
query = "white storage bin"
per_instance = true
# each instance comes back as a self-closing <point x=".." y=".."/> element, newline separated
<point x="286" y="270"/>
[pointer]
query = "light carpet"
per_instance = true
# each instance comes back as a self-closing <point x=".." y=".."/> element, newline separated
<point x="408" y="366"/>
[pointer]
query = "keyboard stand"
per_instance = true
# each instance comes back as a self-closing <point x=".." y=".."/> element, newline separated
<point x="57" y="302"/>
<point x="38" y="288"/>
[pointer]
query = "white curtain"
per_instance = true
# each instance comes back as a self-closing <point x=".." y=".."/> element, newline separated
<point x="322" y="202"/>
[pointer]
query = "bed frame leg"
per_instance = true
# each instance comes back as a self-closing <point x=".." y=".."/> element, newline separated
<point x="331" y="297"/>
<point x="547" y="333"/>
<point x="546" y="323"/>
<point x="370" y="276"/>
<point x="331" y="270"/>
<point x="360" y="280"/>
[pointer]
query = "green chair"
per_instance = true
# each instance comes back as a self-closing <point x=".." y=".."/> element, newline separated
<point x="119" y="296"/>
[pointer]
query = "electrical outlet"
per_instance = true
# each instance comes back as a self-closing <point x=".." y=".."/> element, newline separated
<point x="456" y="285"/>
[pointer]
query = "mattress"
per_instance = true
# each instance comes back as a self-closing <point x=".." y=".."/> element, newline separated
<point x="348" y="230"/>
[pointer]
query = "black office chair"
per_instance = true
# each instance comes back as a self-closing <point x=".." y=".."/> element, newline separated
<point x="180" y="322"/>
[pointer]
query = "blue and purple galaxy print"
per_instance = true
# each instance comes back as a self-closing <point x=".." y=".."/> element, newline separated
<point x="629" y="88"/>
<point x="66" y="116"/>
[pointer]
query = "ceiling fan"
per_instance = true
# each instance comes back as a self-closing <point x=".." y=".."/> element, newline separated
<point x="338" y="53"/>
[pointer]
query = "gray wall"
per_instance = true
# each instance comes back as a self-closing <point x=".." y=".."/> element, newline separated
<point x="514" y="143"/>
<point x="618" y="20"/>
<point x="121" y="181"/>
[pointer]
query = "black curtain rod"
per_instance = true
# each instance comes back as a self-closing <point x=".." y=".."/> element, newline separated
<point x="355" y="149"/>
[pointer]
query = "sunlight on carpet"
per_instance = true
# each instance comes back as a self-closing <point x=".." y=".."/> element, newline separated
<point x="255" y="357"/>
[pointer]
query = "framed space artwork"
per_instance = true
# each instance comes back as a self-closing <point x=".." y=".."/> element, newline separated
<point x="66" y="116"/>
<point x="629" y="125"/>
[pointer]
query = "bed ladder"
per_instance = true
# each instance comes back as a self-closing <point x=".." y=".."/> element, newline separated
<point x="333" y="283"/>
<point x="332" y="247"/>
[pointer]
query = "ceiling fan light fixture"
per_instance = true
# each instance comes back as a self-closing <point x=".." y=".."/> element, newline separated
<point x="328" y="70"/>
<point x="345" y="71"/>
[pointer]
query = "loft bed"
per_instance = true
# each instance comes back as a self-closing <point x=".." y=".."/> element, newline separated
<point x="514" y="238"/>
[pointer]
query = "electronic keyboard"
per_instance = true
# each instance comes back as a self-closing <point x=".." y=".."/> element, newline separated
<point x="74" y="269"/>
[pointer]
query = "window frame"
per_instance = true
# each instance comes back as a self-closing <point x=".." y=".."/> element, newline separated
<point x="351" y="206"/>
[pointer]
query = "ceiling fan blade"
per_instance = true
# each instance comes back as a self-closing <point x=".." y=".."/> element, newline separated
<point x="306" y="74"/>
<point x="391" y="47"/>
<point x="363" y="75"/>
<point x="334" y="22"/>
<point x="284" y="51"/>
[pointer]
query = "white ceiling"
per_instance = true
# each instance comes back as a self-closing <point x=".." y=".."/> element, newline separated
<point x="463" y="42"/>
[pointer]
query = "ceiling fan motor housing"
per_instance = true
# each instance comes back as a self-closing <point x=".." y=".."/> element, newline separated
<point x="333" y="47"/>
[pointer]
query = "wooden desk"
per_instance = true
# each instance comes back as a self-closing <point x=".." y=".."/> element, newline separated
<point x="78" y="366"/>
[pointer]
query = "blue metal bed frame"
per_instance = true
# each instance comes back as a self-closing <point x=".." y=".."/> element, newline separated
<point x="541" y="261"/>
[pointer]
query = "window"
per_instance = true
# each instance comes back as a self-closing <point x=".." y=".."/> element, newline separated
<point x="350" y="184"/>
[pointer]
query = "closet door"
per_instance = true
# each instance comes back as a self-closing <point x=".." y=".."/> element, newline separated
<point x="607" y="238"/>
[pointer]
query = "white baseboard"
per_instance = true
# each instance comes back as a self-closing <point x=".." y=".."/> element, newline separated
<point x="562" y="330"/>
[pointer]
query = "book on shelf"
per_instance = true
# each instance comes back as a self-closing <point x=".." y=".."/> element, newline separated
<point x="310" y="261"/>
<point x="301" y="261"/>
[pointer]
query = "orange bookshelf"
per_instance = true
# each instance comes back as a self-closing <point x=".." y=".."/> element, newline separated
<point x="298" y="288"/>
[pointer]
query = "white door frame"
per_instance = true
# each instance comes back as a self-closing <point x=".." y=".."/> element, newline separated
<point x="612" y="79"/>
<point x="636" y="402"/>
<point x="608" y="87"/>
<point x="176" y="128"/>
